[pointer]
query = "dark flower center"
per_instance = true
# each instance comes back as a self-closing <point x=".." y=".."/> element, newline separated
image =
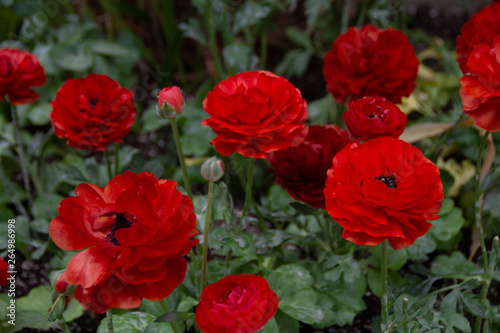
<point x="120" y="222"/>
<point x="93" y="102"/>
<point x="389" y="181"/>
<point x="372" y="116"/>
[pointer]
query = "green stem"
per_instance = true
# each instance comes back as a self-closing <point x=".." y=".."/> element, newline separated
<point x="117" y="158"/>
<point x="383" y="297"/>
<point x="208" y="217"/>
<point x="345" y="16"/>
<point x="165" y="308"/>
<point x="406" y="326"/>
<point x="479" y="226"/>
<point x="177" y="140"/>
<point x="22" y="160"/>
<point x="64" y="327"/>
<point x="248" y="190"/>
<point x="229" y="256"/>
<point x="109" y="317"/>
<point x="108" y="163"/>
<point x="212" y="42"/>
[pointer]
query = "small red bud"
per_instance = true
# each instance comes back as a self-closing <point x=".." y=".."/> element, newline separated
<point x="61" y="285"/>
<point x="170" y="102"/>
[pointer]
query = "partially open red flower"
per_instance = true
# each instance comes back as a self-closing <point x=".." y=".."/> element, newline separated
<point x="170" y="102"/>
<point x="20" y="71"/>
<point x="371" y="62"/>
<point x="478" y="49"/>
<point x="236" y="304"/>
<point x="255" y="113"/>
<point x="302" y="170"/>
<point x="481" y="28"/>
<point x="4" y="275"/>
<point x="383" y="189"/>
<point x="135" y="230"/>
<point x="373" y="117"/>
<point x="92" y="112"/>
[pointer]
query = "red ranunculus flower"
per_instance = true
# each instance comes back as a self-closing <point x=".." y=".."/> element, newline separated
<point x="372" y="117"/>
<point x="4" y="275"/>
<point x="91" y="112"/>
<point x="255" y="113"/>
<point x="383" y="189"/>
<point x="20" y="71"/>
<point x="135" y="232"/>
<point x="302" y="170"/>
<point x="371" y="62"/>
<point x="481" y="28"/>
<point x="236" y="304"/>
<point x="170" y="102"/>
<point x="478" y="49"/>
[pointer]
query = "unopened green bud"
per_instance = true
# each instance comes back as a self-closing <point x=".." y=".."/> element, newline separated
<point x="212" y="169"/>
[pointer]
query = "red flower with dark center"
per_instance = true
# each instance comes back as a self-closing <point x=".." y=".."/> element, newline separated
<point x="236" y="304"/>
<point x="4" y="275"/>
<point x="302" y="170"/>
<point x="20" y="71"/>
<point x="92" y="112"/>
<point x="478" y="49"/>
<point x="255" y="113"/>
<point x="373" y="117"/>
<point x="383" y="189"/>
<point x="371" y="62"/>
<point x="135" y="230"/>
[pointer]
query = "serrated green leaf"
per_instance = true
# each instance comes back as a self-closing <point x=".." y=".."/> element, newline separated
<point x="131" y="322"/>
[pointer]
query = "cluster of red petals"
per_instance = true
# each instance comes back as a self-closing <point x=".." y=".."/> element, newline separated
<point x="255" y="113"/>
<point x="302" y="170"/>
<point x="92" y="112"/>
<point x="4" y="275"/>
<point x="368" y="61"/>
<point x="20" y="71"/>
<point x="172" y="97"/>
<point x="372" y="117"/>
<point x="478" y="50"/>
<point x="135" y="230"/>
<point x="236" y="304"/>
<point x="383" y="189"/>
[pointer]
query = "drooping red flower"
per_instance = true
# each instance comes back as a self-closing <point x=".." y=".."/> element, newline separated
<point x="383" y="189"/>
<point x="370" y="62"/>
<point x="170" y="102"/>
<point x="236" y="304"/>
<point x="20" y="71"/>
<point x="255" y="113"/>
<point x="135" y="230"/>
<point x="92" y="112"/>
<point x="302" y="170"/>
<point x="4" y="272"/>
<point x="478" y="49"/>
<point x="372" y="117"/>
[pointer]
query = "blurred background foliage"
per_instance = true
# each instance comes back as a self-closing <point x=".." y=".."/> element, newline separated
<point x="149" y="44"/>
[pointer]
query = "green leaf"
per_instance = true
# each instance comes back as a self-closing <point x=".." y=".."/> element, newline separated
<point x="314" y="9"/>
<point x="287" y="279"/>
<point x="238" y="58"/>
<point x="271" y="238"/>
<point x="193" y="29"/>
<point x="112" y="49"/>
<point x="294" y="63"/>
<point x="174" y="316"/>
<point x="57" y="308"/>
<point x="453" y="319"/>
<point x="448" y="225"/>
<point x="310" y="307"/>
<point x="455" y="265"/>
<point x="46" y="206"/>
<point x="38" y="113"/>
<point x="131" y="322"/>
<point x="271" y="327"/>
<point x="250" y="13"/>
<point x="422" y="306"/>
<point x="474" y="306"/>
<point x="77" y="59"/>
<point x="286" y="324"/>
<point x="298" y="37"/>
<point x="422" y="246"/>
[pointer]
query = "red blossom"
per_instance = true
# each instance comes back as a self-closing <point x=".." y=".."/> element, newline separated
<point x="255" y="113"/>
<point x="4" y="275"/>
<point x="302" y="170"/>
<point x="383" y="189"/>
<point x="135" y="230"/>
<point x="369" y="61"/>
<point x="236" y="304"/>
<point x="92" y="112"/>
<point x="373" y="117"/>
<point x="20" y="71"/>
